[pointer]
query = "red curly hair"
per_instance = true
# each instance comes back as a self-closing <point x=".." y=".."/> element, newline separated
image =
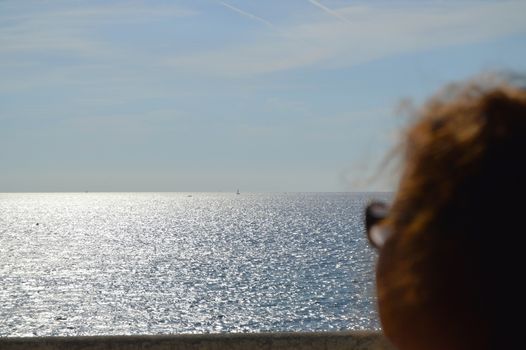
<point x="446" y="279"/>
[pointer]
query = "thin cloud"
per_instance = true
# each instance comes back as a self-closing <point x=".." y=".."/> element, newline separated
<point x="104" y="12"/>
<point x="371" y="33"/>
<point x="329" y="11"/>
<point x="247" y="14"/>
<point x="62" y="29"/>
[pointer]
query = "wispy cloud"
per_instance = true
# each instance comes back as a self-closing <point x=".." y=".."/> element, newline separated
<point x="64" y="29"/>
<point x="363" y="33"/>
<point x="328" y="10"/>
<point x="247" y="14"/>
<point x="369" y="33"/>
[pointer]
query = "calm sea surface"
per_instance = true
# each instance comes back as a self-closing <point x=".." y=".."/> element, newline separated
<point x="163" y="263"/>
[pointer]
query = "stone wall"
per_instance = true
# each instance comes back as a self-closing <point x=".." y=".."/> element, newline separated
<point x="231" y="341"/>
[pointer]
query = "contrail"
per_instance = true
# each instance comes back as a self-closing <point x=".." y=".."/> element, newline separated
<point x="329" y="11"/>
<point x="246" y="14"/>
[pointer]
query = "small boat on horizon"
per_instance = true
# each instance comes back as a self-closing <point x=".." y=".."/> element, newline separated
<point x="238" y="191"/>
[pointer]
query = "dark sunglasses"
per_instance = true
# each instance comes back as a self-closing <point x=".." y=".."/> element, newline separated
<point x="375" y="213"/>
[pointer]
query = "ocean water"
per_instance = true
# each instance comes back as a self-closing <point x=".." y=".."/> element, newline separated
<point x="165" y="263"/>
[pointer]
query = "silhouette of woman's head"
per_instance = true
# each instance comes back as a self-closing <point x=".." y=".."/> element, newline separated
<point x="448" y="271"/>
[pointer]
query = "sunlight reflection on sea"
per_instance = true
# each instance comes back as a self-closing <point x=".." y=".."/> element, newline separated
<point x="163" y="263"/>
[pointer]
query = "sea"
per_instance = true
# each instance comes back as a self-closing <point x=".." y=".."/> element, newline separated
<point x="172" y="263"/>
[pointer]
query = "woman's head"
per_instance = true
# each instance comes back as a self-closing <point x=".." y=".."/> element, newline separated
<point x="441" y="273"/>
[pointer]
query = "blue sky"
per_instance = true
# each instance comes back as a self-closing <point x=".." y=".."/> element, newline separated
<point x="205" y="95"/>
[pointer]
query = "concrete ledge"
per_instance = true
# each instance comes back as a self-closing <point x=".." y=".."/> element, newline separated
<point x="230" y="341"/>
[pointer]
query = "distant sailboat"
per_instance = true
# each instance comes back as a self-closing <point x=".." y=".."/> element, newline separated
<point x="237" y="191"/>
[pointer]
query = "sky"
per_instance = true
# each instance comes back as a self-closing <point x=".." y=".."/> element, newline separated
<point x="204" y="95"/>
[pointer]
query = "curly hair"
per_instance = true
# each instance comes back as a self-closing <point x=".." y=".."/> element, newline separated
<point x="447" y="271"/>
